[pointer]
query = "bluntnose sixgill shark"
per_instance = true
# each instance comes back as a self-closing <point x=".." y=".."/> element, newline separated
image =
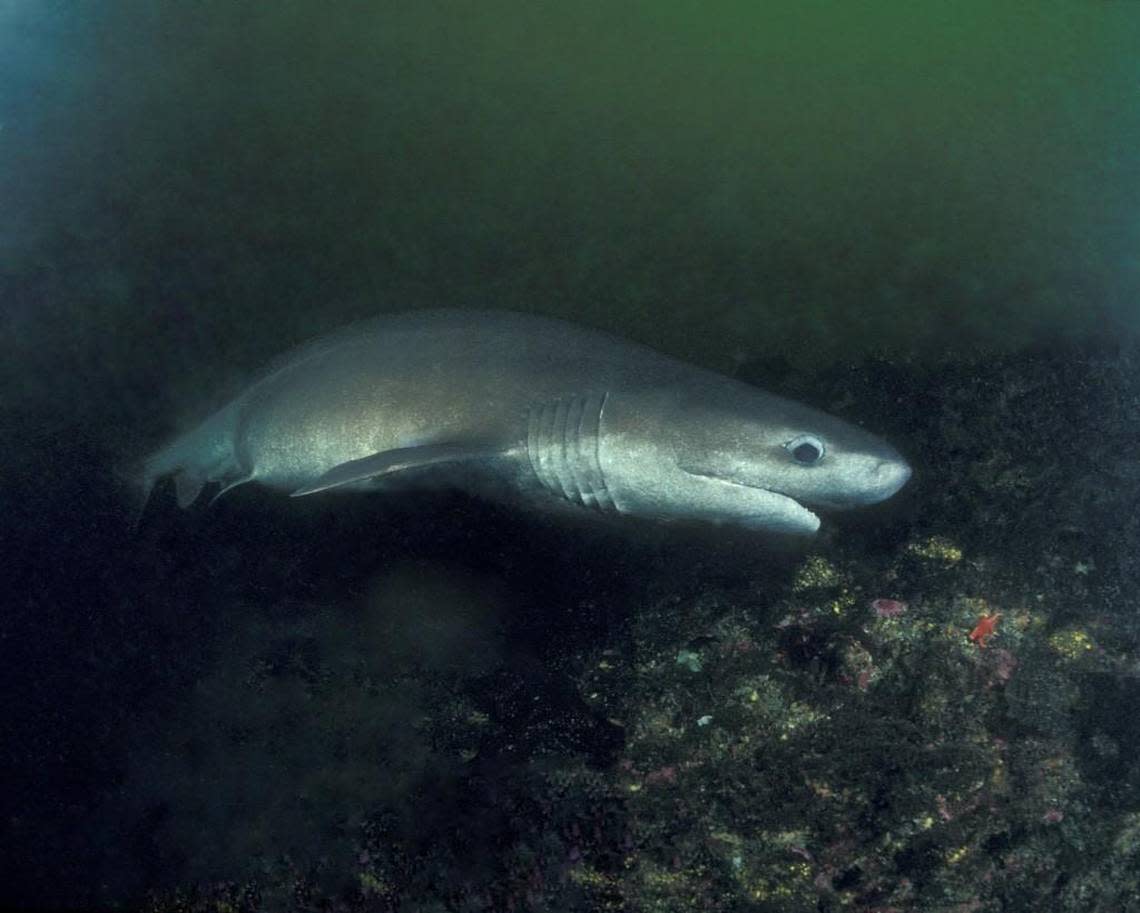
<point x="504" y="403"/>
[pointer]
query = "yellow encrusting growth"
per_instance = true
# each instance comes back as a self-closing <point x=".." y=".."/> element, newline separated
<point x="815" y="573"/>
<point x="1071" y="643"/>
<point x="957" y="855"/>
<point x="371" y="885"/>
<point x="936" y="548"/>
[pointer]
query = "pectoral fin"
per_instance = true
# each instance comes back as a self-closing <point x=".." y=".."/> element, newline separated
<point x="391" y="461"/>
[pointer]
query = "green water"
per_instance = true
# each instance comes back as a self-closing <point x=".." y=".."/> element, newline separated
<point x="720" y="179"/>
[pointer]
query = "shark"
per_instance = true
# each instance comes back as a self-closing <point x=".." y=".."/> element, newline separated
<point x="531" y="408"/>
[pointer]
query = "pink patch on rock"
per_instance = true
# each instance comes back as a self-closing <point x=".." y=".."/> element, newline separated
<point x="1000" y="666"/>
<point x="1053" y="816"/>
<point x="888" y="608"/>
<point x="1003" y="665"/>
<point x="662" y="775"/>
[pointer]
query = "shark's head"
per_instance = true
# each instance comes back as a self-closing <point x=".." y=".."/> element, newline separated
<point x="731" y="453"/>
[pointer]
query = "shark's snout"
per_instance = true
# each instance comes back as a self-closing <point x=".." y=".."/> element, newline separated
<point x="889" y="476"/>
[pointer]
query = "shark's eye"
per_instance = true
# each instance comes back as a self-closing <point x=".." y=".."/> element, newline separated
<point x="806" y="449"/>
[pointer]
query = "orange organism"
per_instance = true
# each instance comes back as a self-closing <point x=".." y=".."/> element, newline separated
<point x="985" y="628"/>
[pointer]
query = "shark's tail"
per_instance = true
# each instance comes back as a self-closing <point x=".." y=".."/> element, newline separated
<point x="140" y="477"/>
<point x="193" y="460"/>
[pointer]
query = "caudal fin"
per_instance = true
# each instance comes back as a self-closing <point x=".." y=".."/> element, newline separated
<point x="170" y="461"/>
<point x="202" y="456"/>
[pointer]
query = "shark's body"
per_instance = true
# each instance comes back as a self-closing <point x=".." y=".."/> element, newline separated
<point x="538" y="408"/>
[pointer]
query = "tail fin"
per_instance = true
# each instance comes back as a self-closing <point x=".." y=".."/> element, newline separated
<point x="140" y="477"/>
<point x="194" y="459"/>
<point x="139" y="482"/>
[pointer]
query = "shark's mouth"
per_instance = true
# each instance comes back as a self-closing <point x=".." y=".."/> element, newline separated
<point x="779" y="510"/>
<point x="787" y="502"/>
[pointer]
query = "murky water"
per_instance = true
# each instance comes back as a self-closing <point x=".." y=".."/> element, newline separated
<point x="922" y="218"/>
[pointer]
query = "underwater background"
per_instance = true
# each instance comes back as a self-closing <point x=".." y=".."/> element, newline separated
<point x="922" y="218"/>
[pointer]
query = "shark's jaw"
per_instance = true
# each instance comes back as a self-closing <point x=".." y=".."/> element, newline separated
<point x="776" y="510"/>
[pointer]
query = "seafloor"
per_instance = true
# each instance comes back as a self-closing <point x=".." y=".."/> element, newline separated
<point x="483" y="712"/>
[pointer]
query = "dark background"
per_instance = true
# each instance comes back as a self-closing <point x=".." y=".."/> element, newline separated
<point x="188" y="188"/>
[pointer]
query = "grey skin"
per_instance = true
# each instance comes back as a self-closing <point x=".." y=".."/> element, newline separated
<point x="507" y="404"/>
